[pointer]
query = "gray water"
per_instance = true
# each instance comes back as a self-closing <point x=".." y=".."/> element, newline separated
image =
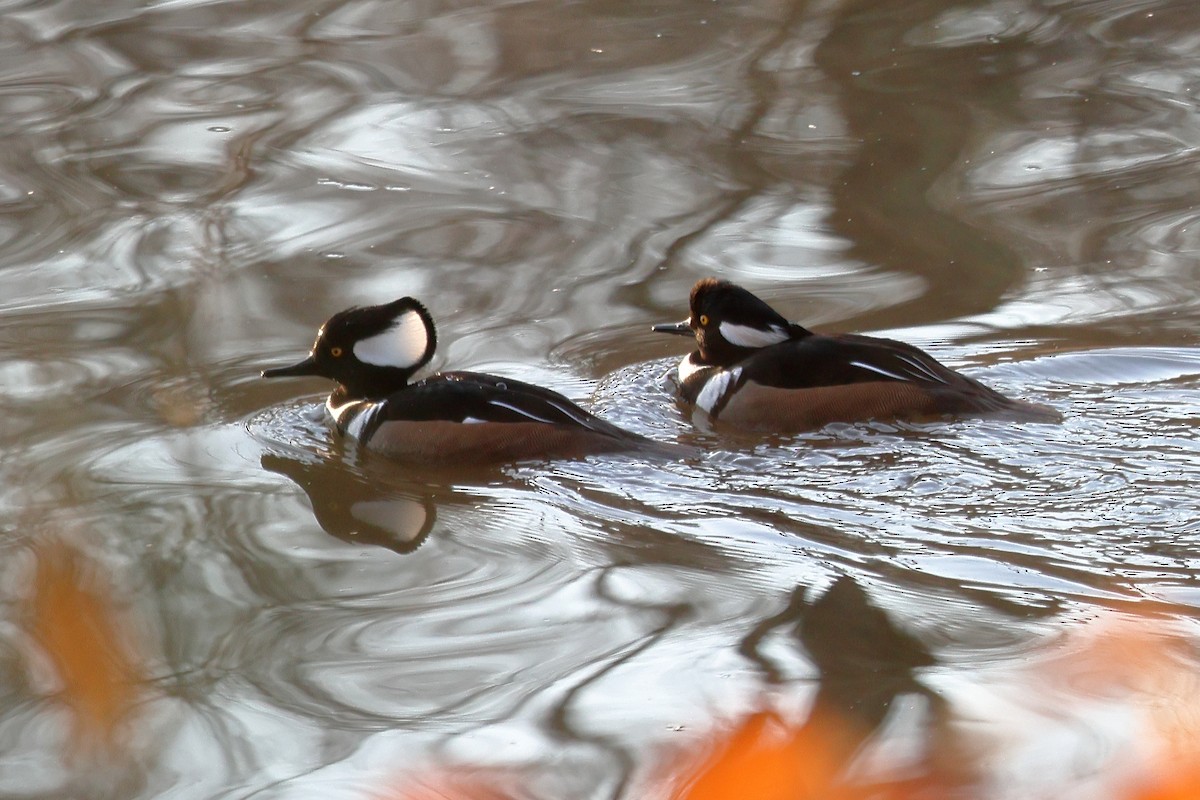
<point x="188" y="189"/>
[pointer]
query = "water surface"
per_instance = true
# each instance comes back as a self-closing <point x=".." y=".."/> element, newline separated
<point x="188" y="189"/>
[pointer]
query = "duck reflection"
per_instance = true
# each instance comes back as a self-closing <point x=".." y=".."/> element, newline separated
<point x="356" y="507"/>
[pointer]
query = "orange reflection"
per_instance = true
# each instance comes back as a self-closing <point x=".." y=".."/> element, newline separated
<point x="1150" y="662"/>
<point x="764" y="758"/>
<point x="1175" y="783"/>
<point x="73" y="618"/>
<point x="445" y="786"/>
<point x="1143" y="663"/>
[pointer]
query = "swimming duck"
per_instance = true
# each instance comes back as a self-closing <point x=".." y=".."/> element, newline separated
<point x="450" y="417"/>
<point x="756" y="370"/>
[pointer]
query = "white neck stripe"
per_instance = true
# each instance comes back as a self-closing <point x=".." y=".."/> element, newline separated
<point x="716" y="388"/>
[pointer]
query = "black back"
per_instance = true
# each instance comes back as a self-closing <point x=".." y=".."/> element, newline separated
<point x="459" y="396"/>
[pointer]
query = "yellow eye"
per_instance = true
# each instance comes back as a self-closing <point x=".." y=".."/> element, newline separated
<point x="703" y="319"/>
<point x="336" y="352"/>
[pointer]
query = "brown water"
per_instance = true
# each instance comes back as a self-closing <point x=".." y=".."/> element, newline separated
<point x="187" y="189"/>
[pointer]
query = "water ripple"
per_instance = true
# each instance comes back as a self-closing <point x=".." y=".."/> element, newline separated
<point x="189" y="187"/>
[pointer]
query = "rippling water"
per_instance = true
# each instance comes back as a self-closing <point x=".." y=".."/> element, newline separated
<point x="189" y="188"/>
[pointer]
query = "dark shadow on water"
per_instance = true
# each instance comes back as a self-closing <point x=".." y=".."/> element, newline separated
<point x="863" y="659"/>
<point x="913" y="108"/>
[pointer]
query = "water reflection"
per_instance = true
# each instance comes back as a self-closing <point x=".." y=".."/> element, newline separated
<point x="1009" y="185"/>
<point x="863" y="659"/>
<point x="865" y="669"/>
<point x="355" y="507"/>
<point x="848" y="638"/>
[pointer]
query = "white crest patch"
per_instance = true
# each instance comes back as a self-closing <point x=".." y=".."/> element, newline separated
<point x="401" y="345"/>
<point x="746" y="336"/>
<point x="716" y="388"/>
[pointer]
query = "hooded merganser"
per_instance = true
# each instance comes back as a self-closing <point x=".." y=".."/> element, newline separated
<point x="450" y="417"/>
<point x="756" y="370"/>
